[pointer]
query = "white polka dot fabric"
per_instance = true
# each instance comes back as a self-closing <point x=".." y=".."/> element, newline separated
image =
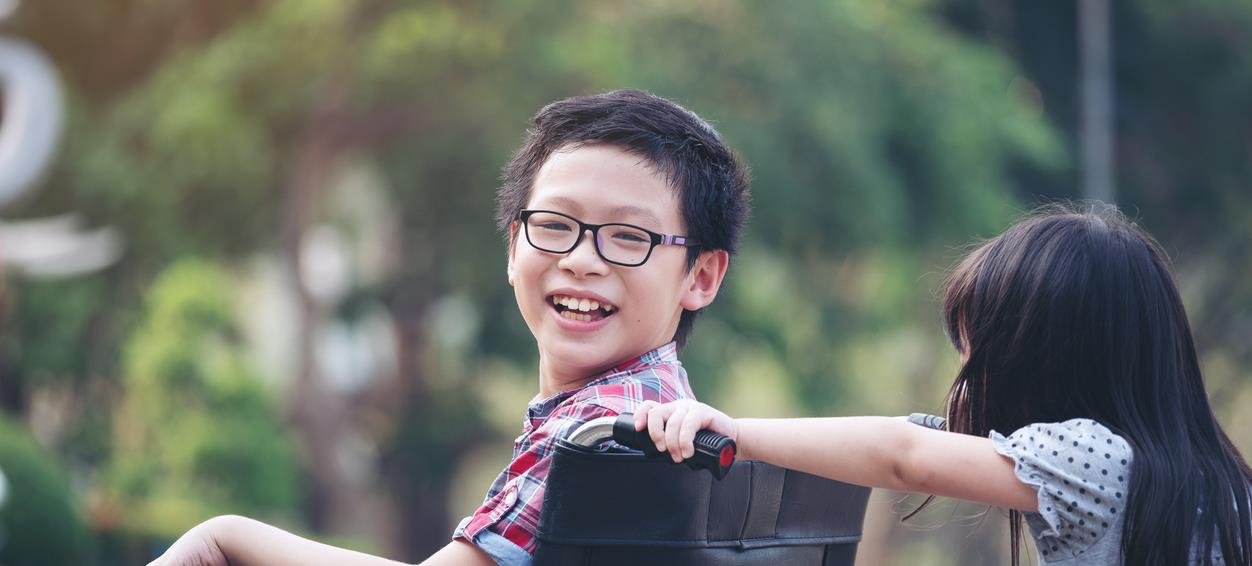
<point x="1081" y="470"/>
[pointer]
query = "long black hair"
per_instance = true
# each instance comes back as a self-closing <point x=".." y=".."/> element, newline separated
<point x="1072" y="314"/>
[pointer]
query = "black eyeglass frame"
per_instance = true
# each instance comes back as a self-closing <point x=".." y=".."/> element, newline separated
<point x="656" y="239"/>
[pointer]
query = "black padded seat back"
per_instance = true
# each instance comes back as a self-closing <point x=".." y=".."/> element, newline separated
<point x="620" y="507"/>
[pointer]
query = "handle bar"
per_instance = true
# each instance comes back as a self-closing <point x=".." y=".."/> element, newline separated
<point x="714" y="452"/>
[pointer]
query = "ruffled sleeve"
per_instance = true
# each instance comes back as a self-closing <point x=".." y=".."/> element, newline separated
<point x="1081" y="470"/>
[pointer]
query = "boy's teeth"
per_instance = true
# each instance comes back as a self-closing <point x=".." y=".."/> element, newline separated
<point x="583" y="305"/>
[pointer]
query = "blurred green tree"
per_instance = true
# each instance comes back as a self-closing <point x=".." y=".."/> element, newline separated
<point x="40" y="522"/>
<point x="1181" y="84"/>
<point x="196" y="433"/>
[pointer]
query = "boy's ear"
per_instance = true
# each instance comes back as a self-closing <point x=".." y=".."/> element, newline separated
<point x="512" y="249"/>
<point x="705" y="279"/>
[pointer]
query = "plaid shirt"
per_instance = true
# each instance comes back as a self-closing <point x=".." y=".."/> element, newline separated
<point x="515" y="499"/>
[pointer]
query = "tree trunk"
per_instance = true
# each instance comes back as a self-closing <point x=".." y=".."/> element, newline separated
<point x="317" y="415"/>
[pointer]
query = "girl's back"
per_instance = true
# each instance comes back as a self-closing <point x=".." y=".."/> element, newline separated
<point x="1074" y="319"/>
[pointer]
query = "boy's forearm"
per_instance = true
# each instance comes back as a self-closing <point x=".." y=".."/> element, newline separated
<point x="247" y="542"/>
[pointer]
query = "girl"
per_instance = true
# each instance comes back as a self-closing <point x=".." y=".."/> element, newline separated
<point x="1072" y="338"/>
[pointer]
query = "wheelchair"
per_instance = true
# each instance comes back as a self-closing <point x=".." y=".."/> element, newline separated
<point x="619" y="506"/>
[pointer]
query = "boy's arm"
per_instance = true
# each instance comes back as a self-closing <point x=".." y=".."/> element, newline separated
<point x="234" y="541"/>
<point x="458" y="553"/>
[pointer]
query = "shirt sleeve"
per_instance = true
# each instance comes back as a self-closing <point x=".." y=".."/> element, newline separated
<point x="512" y="515"/>
<point x="500" y="549"/>
<point x="1080" y="469"/>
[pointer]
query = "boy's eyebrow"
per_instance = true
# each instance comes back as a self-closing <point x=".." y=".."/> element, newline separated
<point x="615" y="212"/>
<point x="567" y="203"/>
<point x="620" y="211"/>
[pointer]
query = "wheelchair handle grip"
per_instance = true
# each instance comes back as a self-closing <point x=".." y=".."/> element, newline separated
<point x="714" y="452"/>
<point x="929" y="421"/>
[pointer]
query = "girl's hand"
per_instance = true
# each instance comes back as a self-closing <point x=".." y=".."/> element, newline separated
<point x="673" y="426"/>
<point x="197" y="547"/>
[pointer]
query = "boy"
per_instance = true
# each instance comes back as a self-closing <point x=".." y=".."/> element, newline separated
<point x="621" y="211"/>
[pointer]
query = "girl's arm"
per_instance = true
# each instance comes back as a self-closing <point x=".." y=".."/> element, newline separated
<point x="881" y="452"/>
<point x="233" y="540"/>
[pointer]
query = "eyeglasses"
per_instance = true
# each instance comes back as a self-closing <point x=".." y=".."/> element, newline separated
<point x="620" y="244"/>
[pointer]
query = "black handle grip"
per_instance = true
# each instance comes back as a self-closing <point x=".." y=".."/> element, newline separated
<point x="714" y="452"/>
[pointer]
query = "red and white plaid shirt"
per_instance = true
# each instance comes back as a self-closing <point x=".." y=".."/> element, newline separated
<point x="515" y="499"/>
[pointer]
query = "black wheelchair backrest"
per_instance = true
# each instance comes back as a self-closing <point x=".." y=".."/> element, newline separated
<point x="619" y="507"/>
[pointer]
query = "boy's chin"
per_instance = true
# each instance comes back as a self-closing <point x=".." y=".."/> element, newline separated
<point x="587" y="355"/>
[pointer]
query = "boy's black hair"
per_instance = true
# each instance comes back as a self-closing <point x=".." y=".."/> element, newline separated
<point x="712" y="185"/>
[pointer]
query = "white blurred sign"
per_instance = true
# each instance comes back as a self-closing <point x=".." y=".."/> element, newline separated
<point x="4" y="489"/>
<point x="33" y="116"/>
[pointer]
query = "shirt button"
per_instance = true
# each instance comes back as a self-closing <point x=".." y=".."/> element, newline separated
<point x="510" y="498"/>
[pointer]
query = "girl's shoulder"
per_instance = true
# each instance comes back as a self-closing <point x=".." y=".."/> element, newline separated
<point x="1080" y="449"/>
<point x="1072" y="437"/>
<point x="1076" y="443"/>
<point x="1081" y="470"/>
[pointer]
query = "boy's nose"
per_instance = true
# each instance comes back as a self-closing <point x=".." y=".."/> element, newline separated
<point x="584" y="259"/>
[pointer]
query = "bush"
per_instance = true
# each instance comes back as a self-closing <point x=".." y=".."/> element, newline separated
<point x="197" y="433"/>
<point x="38" y="523"/>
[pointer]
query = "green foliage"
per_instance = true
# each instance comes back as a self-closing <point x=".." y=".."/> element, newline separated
<point x="39" y="524"/>
<point x="877" y="137"/>
<point x="866" y="124"/>
<point x="49" y="320"/>
<point x="196" y="434"/>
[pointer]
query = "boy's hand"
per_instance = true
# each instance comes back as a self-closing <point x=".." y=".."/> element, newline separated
<point x="673" y="426"/>
<point x="197" y="547"/>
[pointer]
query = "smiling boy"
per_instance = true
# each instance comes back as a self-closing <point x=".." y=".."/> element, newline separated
<point x="621" y="212"/>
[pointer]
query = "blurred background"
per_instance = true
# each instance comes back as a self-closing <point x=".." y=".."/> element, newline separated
<point x="249" y="262"/>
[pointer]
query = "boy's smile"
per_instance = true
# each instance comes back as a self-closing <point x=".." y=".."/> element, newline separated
<point x="579" y="307"/>
<point x="587" y="314"/>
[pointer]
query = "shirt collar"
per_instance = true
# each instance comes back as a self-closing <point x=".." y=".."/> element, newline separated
<point x="540" y="408"/>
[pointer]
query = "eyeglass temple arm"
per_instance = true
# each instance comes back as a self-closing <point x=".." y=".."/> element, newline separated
<point x="669" y="240"/>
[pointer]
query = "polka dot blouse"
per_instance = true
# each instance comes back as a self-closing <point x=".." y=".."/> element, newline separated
<point x="1081" y="470"/>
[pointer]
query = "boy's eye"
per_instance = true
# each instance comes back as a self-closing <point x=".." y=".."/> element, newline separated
<point x="631" y="237"/>
<point x="558" y="226"/>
